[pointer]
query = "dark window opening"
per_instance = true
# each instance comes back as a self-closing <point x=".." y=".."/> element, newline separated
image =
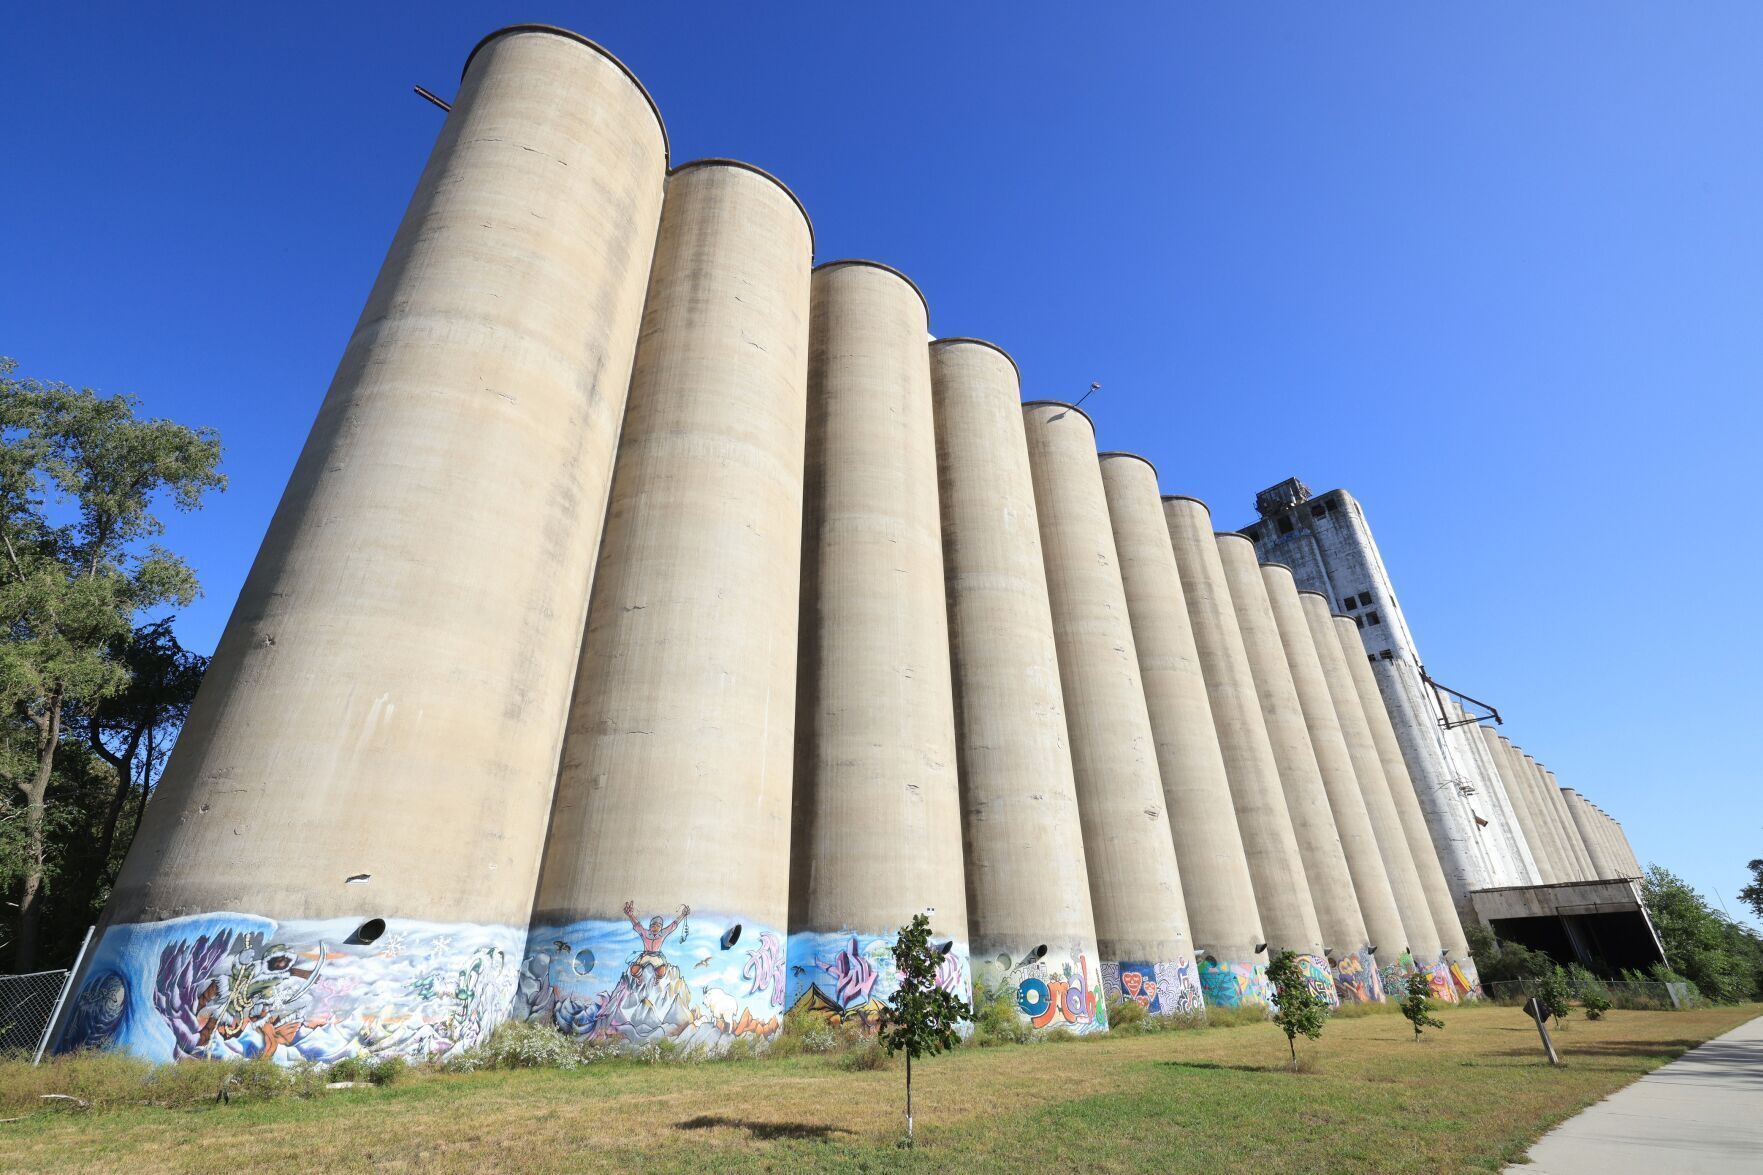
<point x="1285" y="524"/>
<point x="1359" y="620"/>
<point x="1350" y="603"/>
<point x="1317" y="511"/>
<point x="1371" y="618"/>
<point x="1365" y="598"/>
<point x="1254" y="533"/>
<point x="1385" y="655"/>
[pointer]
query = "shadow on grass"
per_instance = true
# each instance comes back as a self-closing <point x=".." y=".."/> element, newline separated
<point x="1280" y="1068"/>
<point x="763" y="1131"/>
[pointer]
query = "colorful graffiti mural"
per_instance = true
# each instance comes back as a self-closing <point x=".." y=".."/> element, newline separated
<point x="1319" y="978"/>
<point x="1465" y="979"/>
<point x="1438" y="982"/>
<point x="1051" y="990"/>
<point x="847" y="978"/>
<point x="1232" y="985"/>
<point x="1394" y="976"/>
<point x="1356" y="979"/>
<point x="230" y="985"/>
<point x="698" y="980"/>
<point x="1171" y="988"/>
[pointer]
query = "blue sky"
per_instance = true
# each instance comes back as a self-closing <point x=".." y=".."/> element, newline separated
<point x="1495" y="268"/>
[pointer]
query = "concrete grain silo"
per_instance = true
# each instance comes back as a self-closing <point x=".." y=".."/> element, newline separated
<point x="1586" y="821"/>
<point x="1135" y="887"/>
<point x="1451" y="971"/>
<point x="1282" y="893"/>
<point x="1634" y="861"/>
<point x="1384" y="873"/>
<point x="359" y="795"/>
<point x="1345" y="941"/>
<point x="1564" y="814"/>
<point x="1545" y="802"/>
<point x="1032" y="930"/>
<point x="673" y="797"/>
<point x="876" y="832"/>
<point x="1209" y="853"/>
<point x="1528" y="824"/>
<point x="1518" y="865"/>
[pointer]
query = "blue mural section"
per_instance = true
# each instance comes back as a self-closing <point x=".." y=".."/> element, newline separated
<point x="846" y="977"/>
<point x="230" y="985"/>
<point x="1162" y="989"/>
<point x="1233" y="984"/>
<point x="1356" y="980"/>
<point x="701" y="981"/>
<point x="1050" y="989"/>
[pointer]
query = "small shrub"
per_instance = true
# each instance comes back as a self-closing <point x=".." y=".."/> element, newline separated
<point x="1300" y="1010"/>
<point x="870" y="1055"/>
<point x="1417" y="1008"/>
<point x="1556" y="995"/>
<point x="1128" y="1018"/>
<point x="998" y="1022"/>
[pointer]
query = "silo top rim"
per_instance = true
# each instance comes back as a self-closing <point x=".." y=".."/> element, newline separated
<point x="1271" y="563"/>
<point x="718" y="161"/>
<point x="1061" y="404"/>
<point x="953" y="339"/>
<point x="1312" y="592"/>
<point x="569" y="34"/>
<point x="1232" y="534"/>
<point x="1123" y="453"/>
<point x="1187" y="498"/>
<point x="885" y="269"/>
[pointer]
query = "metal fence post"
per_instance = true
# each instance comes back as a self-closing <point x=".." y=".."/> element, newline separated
<point x="55" y="1015"/>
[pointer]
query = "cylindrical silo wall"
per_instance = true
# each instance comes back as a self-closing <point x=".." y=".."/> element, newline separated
<point x="1564" y="817"/>
<point x="1634" y="860"/>
<point x="1030" y="925"/>
<point x="1141" y="916"/>
<point x="876" y="833"/>
<point x="1384" y="873"/>
<point x="1445" y="957"/>
<point x="359" y="797"/>
<point x="670" y="829"/>
<point x="1517" y="866"/>
<point x="1344" y="937"/>
<point x="1214" y="869"/>
<point x="1603" y="868"/>
<point x="1282" y="894"/>
<point x="1555" y="820"/>
<point x="1528" y="831"/>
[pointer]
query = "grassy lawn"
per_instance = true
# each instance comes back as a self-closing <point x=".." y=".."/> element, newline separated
<point x="1473" y="1096"/>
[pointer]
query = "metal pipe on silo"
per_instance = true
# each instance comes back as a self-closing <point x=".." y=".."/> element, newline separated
<point x="1030" y="920"/>
<point x="1135" y="886"/>
<point x="876" y="830"/>
<point x="1453" y="968"/>
<point x="1371" y="828"/>
<point x="1219" y="892"/>
<point x="1282" y="892"/>
<point x="1313" y="827"/>
<point x="1529" y="824"/>
<point x="681" y="723"/>
<point x="360" y="792"/>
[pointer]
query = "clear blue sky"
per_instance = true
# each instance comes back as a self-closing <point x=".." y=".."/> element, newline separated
<point x="1495" y="268"/>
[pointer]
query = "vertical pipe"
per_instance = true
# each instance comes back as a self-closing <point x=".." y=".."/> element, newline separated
<point x="1282" y="893"/>
<point x="682" y="718"/>
<point x="1141" y="914"/>
<point x="1252" y="588"/>
<point x="1215" y="879"/>
<point x="1528" y="824"/>
<point x="365" y="776"/>
<point x="1451" y="968"/>
<point x="1028" y="893"/>
<point x="876" y="834"/>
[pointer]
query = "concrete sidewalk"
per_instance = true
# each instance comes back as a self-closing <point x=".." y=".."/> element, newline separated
<point x="1701" y="1112"/>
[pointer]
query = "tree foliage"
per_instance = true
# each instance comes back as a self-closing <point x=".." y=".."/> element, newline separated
<point x="1418" y="1008"/>
<point x="920" y="1019"/>
<point x="1298" y="1009"/>
<point x="81" y="480"/>
<point x="1752" y="894"/>
<point x="1723" y="959"/>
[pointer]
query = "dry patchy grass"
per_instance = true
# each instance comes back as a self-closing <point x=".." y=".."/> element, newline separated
<point x="1370" y="1099"/>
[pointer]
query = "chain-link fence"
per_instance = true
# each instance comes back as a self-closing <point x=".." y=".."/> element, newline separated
<point x="26" y="1004"/>
<point x="1634" y="995"/>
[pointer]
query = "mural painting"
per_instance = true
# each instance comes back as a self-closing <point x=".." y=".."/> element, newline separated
<point x="1465" y="979"/>
<point x="701" y="981"/>
<point x="1049" y="991"/>
<point x="1171" y="988"/>
<point x="847" y="978"/>
<point x="1394" y="976"/>
<point x="1232" y="985"/>
<point x="225" y="985"/>
<point x="1356" y="980"/>
<point x="1319" y="978"/>
<point x="1438" y="983"/>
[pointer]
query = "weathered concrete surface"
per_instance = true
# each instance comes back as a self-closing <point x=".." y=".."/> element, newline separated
<point x="1134" y="883"/>
<point x="1027" y="884"/>
<point x="877" y="826"/>
<point x="1702" y="1114"/>
<point x="1528" y="824"/>
<point x="1604" y="865"/>
<point x="1573" y="849"/>
<point x="1348" y="761"/>
<point x="1520" y="865"/>
<point x="1282" y="892"/>
<point x="1220" y="896"/>
<point x="390" y="693"/>
<point x="1616" y="896"/>
<point x="1288" y="734"/>
<point x="1543" y="809"/>
<point x="1634" y="860"/>
<point x="683" y="716"/>
<point x="1440" y="901"/>
<point x="1564" y="813"/>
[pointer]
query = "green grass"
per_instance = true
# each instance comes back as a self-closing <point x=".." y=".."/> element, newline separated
<point x="1470" y="1097"/>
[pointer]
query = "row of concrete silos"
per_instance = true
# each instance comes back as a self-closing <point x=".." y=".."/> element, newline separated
<point x="654" y="622"/>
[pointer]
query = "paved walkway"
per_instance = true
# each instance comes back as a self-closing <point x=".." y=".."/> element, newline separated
<point x="1702" y="1112"/>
